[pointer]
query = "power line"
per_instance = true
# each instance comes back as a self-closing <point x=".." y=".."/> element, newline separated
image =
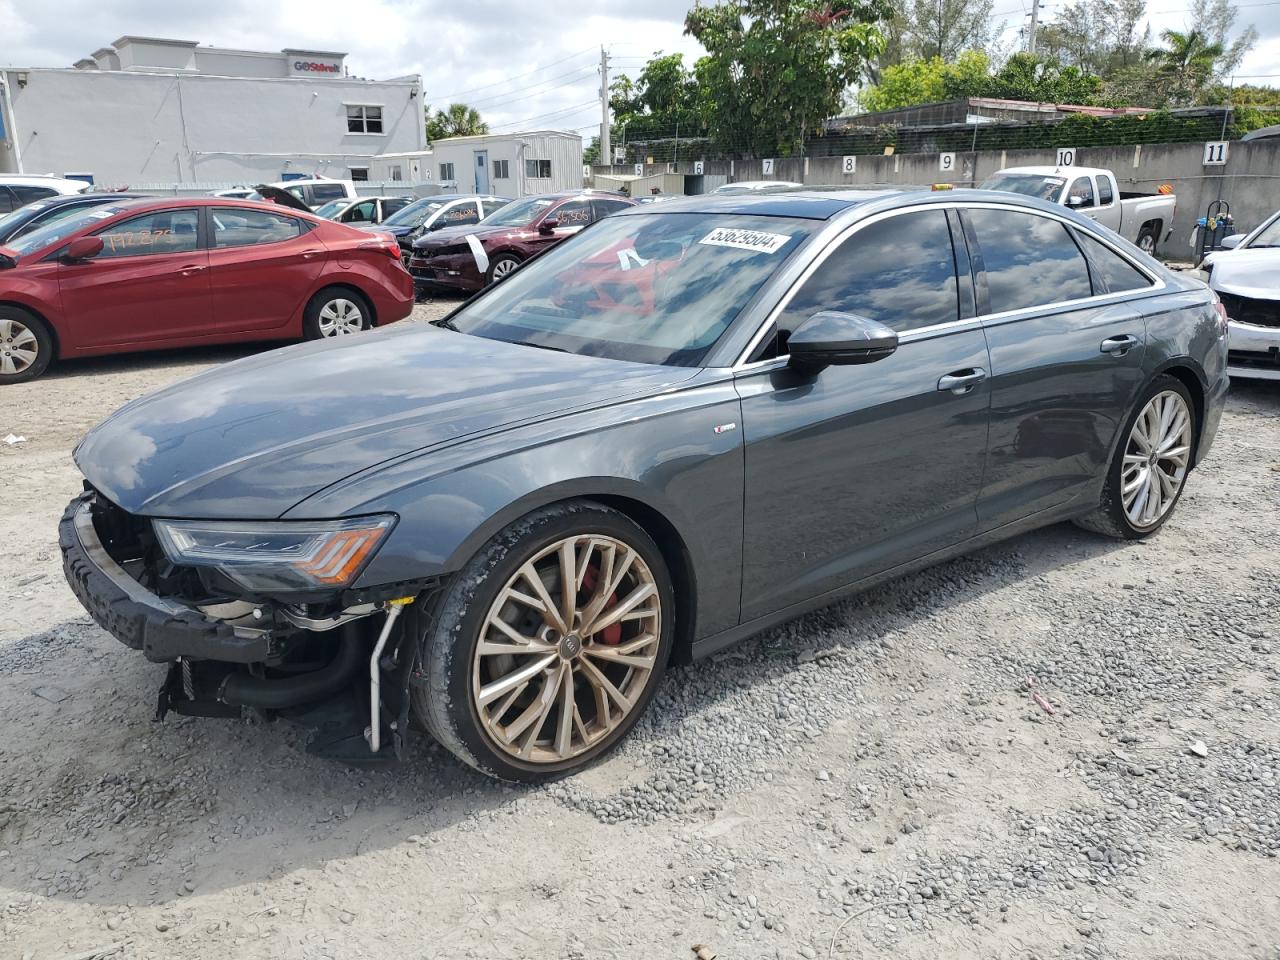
<point x="581" y="74"/>
<point x="542" y="116"/>
<point x="519" y="75"/>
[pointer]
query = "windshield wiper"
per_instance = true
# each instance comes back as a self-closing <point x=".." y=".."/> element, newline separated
<point x="540" y="346"/>
<point x="447" y="324"/>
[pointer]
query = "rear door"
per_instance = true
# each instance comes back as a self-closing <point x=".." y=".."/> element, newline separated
<point x="861" y="468"/>
<point x="149" y="284"/>
<point x="361" y="214"/>
<point x="1108" y="211"/>
<point x="262" y="265"/>
<point x="1066" y="360"/>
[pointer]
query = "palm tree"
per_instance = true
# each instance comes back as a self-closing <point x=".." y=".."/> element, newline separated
<point x="458" y="120"/>
<point x="1187" y="66"/>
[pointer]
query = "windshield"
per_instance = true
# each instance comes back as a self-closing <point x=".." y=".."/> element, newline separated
<point x="651" y="288"/>
<point x="414" y="214"/>
<point x="21" y="215"/>
<point x="1027" y="184"/>
<point x="519" y="214"/>
<point x="331" y="209"/>
<point x="1268" y="236"/>
<point x="59" y="230"/>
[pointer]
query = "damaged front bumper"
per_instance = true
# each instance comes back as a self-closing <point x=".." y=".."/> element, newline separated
<point x="232" y="658"/>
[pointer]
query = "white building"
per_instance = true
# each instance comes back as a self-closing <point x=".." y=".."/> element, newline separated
<point x="147" y="111"/>
<point x="508" y="164"/>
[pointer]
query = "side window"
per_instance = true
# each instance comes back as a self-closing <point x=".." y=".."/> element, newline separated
<point x="1081" y="193"/>
<point x="900" y="271"/>
<point x="363" y="212"/>
<point x="394" y="206"/>
<point x="1029" y="260"/>
<point x="31" y="194"/>
<point x="324" y="192"/>
<point x="239" y="227"/>
<point x="606" y="207"/>
<point x="1114" y="272"/>
<point x="1104" y="191"/>
<point x="8" y="202"/>
<point x="165" y="231"/>
<point x="492" y="205"/>
<point x="461" y="213"/>
<point x="575" y="213"/>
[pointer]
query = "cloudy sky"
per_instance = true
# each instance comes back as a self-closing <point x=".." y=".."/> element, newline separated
<point x="521" y="65"/>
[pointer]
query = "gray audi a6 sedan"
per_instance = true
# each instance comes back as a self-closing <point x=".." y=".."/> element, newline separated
<point x="692" y="421"/>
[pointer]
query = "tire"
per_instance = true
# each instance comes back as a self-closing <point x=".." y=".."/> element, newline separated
<point x="26" y="345"/>
<point x="1148" y="237"/>
<point x="336" y="312"/>
<point x="464" y="697"/>
<point x="1113" y="517"/>
<point x="501" y="267"/>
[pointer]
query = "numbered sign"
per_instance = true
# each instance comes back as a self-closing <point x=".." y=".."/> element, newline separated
<point x="697" y="168"/>
<point x="1215" y="153"/>
<point x="639" y="169"/>
<point x="1066" y="156"/>
<point x="946" y="162"/>
<point x="848" y="164"/>
<point x="766" y="167"/>
<point x="586" y="171"/>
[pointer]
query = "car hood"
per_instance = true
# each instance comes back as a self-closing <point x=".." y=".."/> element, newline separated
<point x="251" y="439"/>
<point x="396" y="230"/>
<point x="449" y="235"/>
<point x="1246" y="273"/>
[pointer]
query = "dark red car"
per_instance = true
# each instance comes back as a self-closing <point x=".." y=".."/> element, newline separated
<point x="469" y="258"/>
<point x="150" y="274"/>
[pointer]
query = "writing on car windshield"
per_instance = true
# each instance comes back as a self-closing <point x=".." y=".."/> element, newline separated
<point x="650" y="288"/>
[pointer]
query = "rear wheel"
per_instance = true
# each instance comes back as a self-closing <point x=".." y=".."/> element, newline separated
<point x="1149" y="469"/>
<point x="547" y="647"/>
<point x="1147" y="240"/>
<point x="26" y="346"/>
<point x="336" y="312"/>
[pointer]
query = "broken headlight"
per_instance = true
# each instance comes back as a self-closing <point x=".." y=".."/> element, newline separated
<point x="277" y="555"/>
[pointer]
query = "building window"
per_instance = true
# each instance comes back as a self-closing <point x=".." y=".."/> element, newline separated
<point x="359" y="173"/>
<point x="397" y="173"/>
<point x="537" y="169"/>
<point x="501" y="171"/>
<point x="446" y="171"/>
<point x="364" y="119"/>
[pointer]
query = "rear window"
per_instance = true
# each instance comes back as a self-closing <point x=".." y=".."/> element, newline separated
<point x="328" y="191"/>
<point x="1028" y="184"/>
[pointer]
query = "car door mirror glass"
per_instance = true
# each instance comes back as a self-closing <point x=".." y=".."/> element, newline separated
<point x="1231" y="242"/>
<point x="82" y="248"/>
<point x="830" y="338"/>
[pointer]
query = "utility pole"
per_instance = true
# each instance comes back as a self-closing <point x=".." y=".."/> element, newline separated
<point x="1035" y="22"/>
<point x="606" y="152"/>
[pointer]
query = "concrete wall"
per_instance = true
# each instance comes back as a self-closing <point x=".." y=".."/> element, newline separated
<point x="128" y="128"/>
<point x="1250" y="180"/>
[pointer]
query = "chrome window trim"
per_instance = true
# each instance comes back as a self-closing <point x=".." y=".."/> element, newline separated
<point x="1158" y="283"/>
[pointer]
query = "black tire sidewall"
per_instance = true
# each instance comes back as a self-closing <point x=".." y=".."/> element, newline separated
<point x="454" y="630"/>
<point x="1147" y="232"/>
<point x="44" y="344"/>
<point x="311" y="318"/>
<point x="1115" y="482"/>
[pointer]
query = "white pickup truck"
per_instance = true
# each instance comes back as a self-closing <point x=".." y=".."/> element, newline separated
<point x="1144" y="219"/>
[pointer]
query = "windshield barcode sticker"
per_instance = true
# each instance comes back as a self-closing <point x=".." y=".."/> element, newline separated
<point x="746" y="239"/>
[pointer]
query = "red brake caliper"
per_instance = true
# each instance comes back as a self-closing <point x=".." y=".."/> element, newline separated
<point x="611" y="634"/>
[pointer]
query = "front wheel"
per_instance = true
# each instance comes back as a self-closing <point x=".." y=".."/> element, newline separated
<point x="26" y="347"/>
<point x="1149" y="468"/>
<point x="546" y="648"/>
<point x="502" y="267"/>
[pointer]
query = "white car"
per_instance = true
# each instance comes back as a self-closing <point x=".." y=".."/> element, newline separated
<point x="758" y="186"/>
<point x="362" y="211"/>
<point x="17" y="190"/>
<point x="1246" y="278"/>
<point x="235" y="193"/>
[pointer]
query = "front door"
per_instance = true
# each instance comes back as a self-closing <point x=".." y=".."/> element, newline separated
<point x="150" y="283"/>
<point x="262" y="266"/>
<point x="1066" y="359"/>
<point x="482" y="171"/>
<point x="857" y="469"/>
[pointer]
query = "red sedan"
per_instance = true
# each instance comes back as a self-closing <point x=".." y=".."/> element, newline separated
<point x="152" y="274"/>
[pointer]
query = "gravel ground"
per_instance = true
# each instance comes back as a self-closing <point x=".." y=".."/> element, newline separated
<point x="881" y="778"/>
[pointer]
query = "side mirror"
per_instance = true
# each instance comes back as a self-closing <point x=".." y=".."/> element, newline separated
<point x="1076" y="201"/>
<point x="82" y="248"/>
<point x="548" y="224"/>
<point x="1233" y="241"/>
<point x="839" y="339"/>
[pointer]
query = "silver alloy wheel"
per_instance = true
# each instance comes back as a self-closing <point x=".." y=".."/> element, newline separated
<point x="1155" y="459"/>
<point x="503" y="268"/>
<point x="567" y="649"/>
<point x="339" y="317"/>
<point x="1147" y="244"/>
<point x="19" y="347"/>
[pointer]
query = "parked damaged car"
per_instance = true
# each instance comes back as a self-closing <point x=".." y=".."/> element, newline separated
<point x="430" y="214"/>
<point x="469" y="258"/>
<point x="1246" y="276"/>
<point x="693" y="421"/>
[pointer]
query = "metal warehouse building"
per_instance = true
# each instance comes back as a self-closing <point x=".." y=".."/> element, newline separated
<point x="509" y="164"/>
<point x="152" y="111"/>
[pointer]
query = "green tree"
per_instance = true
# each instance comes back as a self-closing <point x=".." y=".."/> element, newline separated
<point x="1184" y="67"/>
<point x="943" y="28"/>
<point x="928" y="81"/>
<point x="1214" y="20"/>
<point x="1098" y="36"/>
<point x="457" y="120"/>
<point x="775" y="70"/>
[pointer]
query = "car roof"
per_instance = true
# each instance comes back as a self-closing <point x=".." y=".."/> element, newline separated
<point x="1048" y="171"/>
<point x="805" y="204"/>
<point x="65" y="199"/>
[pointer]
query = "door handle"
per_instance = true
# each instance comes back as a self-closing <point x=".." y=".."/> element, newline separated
<point x="192" y="269"/>
<point x="308" y="254"/>
<point x="962" y="381"/>
<point x="1119" y="346"/>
